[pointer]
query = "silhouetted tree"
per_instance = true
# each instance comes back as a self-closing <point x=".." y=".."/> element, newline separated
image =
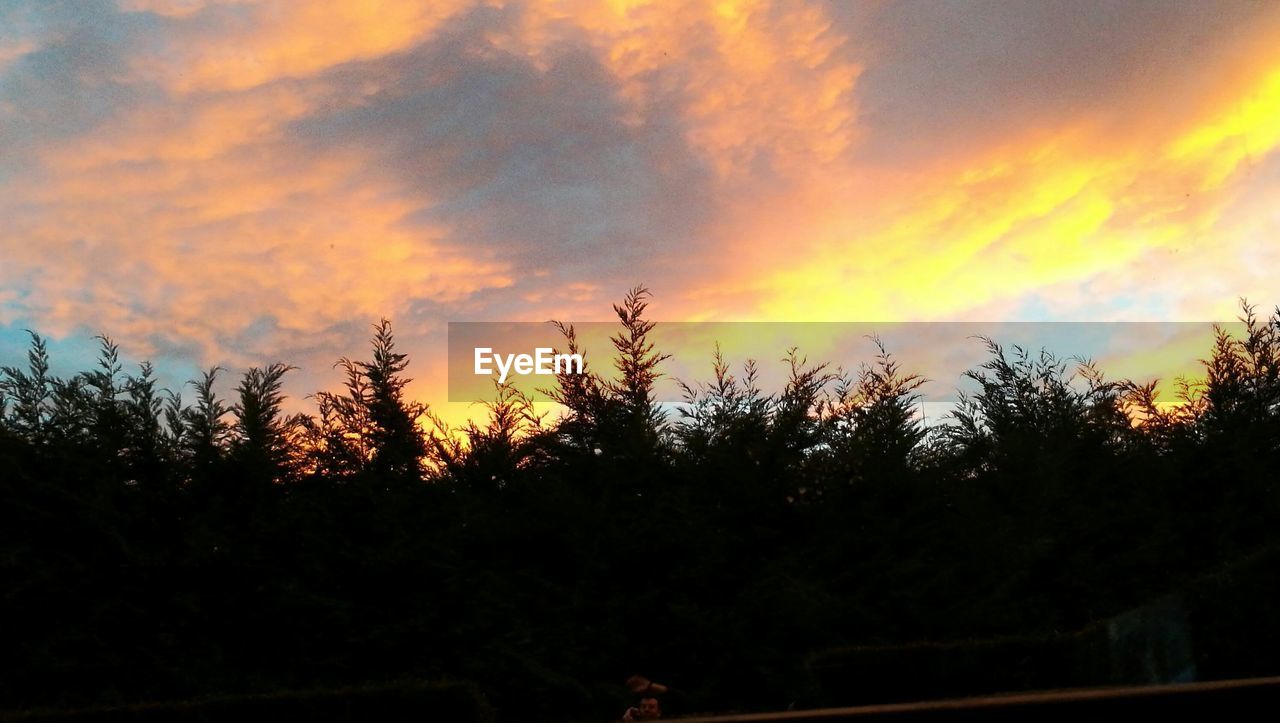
<point x="583" y="394"/>
<point x="1242" y="381"/>
<point x="371" y="426"/>
<point x="727" y="413"/>
<point x="642" y="421"/>
<point x="260" y="431"/>
<point x="30" y="391"/>
<point x="339" y="439"/>
<point x="205" y="433"/>
<point x="105" y="414"/>
<point x="145" y="447"/>
<point x="490" y="457"/>
<point x="871" y="426"/>
<point x="397" y="440"/>
<point x="1027" y="412"/>
<point x="730" y="548"/>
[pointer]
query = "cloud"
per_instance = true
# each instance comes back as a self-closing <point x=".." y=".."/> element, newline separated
<point x="232" y="46"/>
<point x="237" y="182"/>
<point x="942" y="79"/>
<point x="222" y="180"/>
<point x="979" y="228"/>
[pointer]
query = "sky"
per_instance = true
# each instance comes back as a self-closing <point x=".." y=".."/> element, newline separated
<point x="232" y="182"/>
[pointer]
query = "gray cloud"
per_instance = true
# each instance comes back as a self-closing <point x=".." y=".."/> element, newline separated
<point x="75" y="76"/>
<point x="944" y="75"/>
<point x="537" y="167"/>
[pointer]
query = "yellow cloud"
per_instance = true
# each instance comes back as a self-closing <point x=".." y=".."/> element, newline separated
<point x="1057" y="207"/>
<point x="1248" y="128"/>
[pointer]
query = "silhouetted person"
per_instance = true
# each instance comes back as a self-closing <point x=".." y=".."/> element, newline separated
<point x="648" y="709"/>
<point x="655" y="698"/>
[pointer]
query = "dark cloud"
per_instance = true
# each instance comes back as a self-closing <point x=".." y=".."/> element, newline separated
<point x="77" y="73"/>
<point x="943" y="75"/>
<point x="535" y="164"/>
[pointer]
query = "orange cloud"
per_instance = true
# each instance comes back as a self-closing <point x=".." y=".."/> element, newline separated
<point x="233" y="46"/>
<point x="149" y="241"/>
<point x="756" y="82"/>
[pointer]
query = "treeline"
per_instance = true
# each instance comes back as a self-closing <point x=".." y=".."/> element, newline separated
<point x="155" y="546"/>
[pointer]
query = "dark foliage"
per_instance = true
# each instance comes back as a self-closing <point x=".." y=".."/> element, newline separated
<point x="154" y="549"/>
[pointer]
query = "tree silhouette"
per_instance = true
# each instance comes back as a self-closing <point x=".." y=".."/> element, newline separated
<point x="156" y="547"/>
<point x="371" y="427"/>
<point x="582" y="393"/>
<point x="339" y="439"/>
<point x="728" y="412"/>
<point x="398" y="442"/>
<point x="487" y="458"/>
<point x="641" y="420"/>
<point x="620" y="412"/>
<point x="260" y="433"/>
<point x="29" y="391"/>
<point x="871" y="426"/>
<point x="205" y="431"/>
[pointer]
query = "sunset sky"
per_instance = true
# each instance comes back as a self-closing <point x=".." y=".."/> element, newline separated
<point x="236" y="182"/>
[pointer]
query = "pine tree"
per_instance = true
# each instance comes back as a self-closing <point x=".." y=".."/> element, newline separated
<point x="29" y="391"/>
<point x="261" y="434"/>
<point x="371" y="427"/>
<point x="397" y="441"/>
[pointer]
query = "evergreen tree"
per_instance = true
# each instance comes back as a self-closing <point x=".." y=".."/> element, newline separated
<point x="371" y="427"/>
<point x="205" y="432"/>
<point x="29" y="391"/>
<point x="398" y="442"/>
<point x="871" y="427"/>
<point x="642" y="422"/>
<point x="260" y="432"/>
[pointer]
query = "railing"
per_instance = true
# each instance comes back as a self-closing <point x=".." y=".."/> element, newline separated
<point x="1208" y="700"/>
